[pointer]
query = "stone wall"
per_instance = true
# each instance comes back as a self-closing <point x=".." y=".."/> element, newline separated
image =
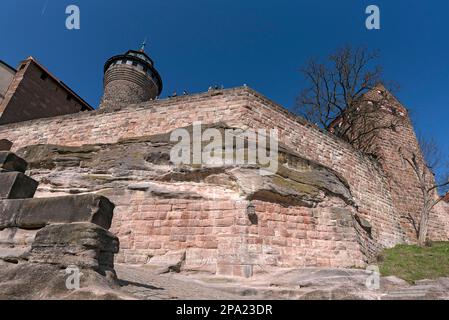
<point x="168" y="225"/>
<point x="216" y="235"/>
<point x="125" y="84"/>
<point x="189" y="218"/>
<point x="367" y="181"/>
<point x="108" y="126"/>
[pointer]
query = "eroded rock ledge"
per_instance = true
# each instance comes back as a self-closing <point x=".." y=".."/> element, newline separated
<point x="41" y="238"/>
<point x="131" y="163"/>
<point x="305" y="214"/>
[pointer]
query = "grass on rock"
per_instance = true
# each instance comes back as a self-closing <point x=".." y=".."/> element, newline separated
<point x="412" y="263"/>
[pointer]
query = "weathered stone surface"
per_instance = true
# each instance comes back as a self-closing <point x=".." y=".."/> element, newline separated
<point x="33" y="281"/>
<point x="163" y="208"/>
<point x="10" y="162"/>
<point x="365" y="224"/>
<point x="244" y="108"/>
<point x="15" y="243"/>
<point x="85" y="245"/>
<point x="290" y="186"/>
<point x="286" y="284"/>
<point x="39" y="281"/>
<point x="170" y="262"/>
<point x="332" y="284"/>
<point x="16" y="185"/>
<point x="132" y="163"/>
<point x="5" y="145"/>
<point x="39" y="212"/>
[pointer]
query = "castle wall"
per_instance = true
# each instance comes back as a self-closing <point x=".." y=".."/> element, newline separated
<point x="216" y="236"/>
<point x="367" y="182"/>
<point x="109" y="126"/>
<point x="405" y="187"/>
<point x="125" y="84"/>
<point x="240" y="107"/>
<point x="393" y="143"/>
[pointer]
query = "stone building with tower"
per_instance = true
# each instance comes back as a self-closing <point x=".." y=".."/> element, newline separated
<point x="329" y="204"/>
<point x="130" y="78"/>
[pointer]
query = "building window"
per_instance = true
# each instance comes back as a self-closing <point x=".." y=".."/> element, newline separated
<point x="69" y="97"/>
<point x="44" y="76"/>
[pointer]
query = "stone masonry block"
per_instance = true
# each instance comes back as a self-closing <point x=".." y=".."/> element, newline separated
<point x="16" y="185"/>
<point x="5" y="145"/>
<point x="85" y="245"/>
<point x="10" y="162"/>
<point x="39" y="212"/>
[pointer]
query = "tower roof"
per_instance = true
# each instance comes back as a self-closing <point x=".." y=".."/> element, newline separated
<point x="141" y="54"/>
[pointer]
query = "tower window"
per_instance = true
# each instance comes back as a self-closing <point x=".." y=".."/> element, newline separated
<point x="134" y="63"/>
<point x="69" y="97"/>
<point x="44" y="76"/>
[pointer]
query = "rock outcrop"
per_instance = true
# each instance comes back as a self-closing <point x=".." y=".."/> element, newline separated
<point x="42" y="238"/>
<point x="5" y="145"/>
<point x="304" y="214"/>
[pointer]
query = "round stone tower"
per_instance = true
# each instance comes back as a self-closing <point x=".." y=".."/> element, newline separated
<point x="130" y="78"/>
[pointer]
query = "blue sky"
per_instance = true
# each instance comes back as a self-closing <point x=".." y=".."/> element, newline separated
<point x="263" y="44"/>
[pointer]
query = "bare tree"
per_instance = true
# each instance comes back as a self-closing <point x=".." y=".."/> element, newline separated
<point x="433" y="187"/>
<point x="335" y="97"/>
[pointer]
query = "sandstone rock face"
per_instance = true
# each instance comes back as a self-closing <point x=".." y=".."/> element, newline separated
<point x="10" y="162"/>
<point x="304" y="214"/>
<point x="278" y="284"/>
<point x="85" y="245"/>
<point x="35" y="281"/>
<point x="15" y="243"/>
<point x="237" y="107"/>
<point x="41" y="239"/>
<point x="337" y="284"/>
<point x="5" y="145"/>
